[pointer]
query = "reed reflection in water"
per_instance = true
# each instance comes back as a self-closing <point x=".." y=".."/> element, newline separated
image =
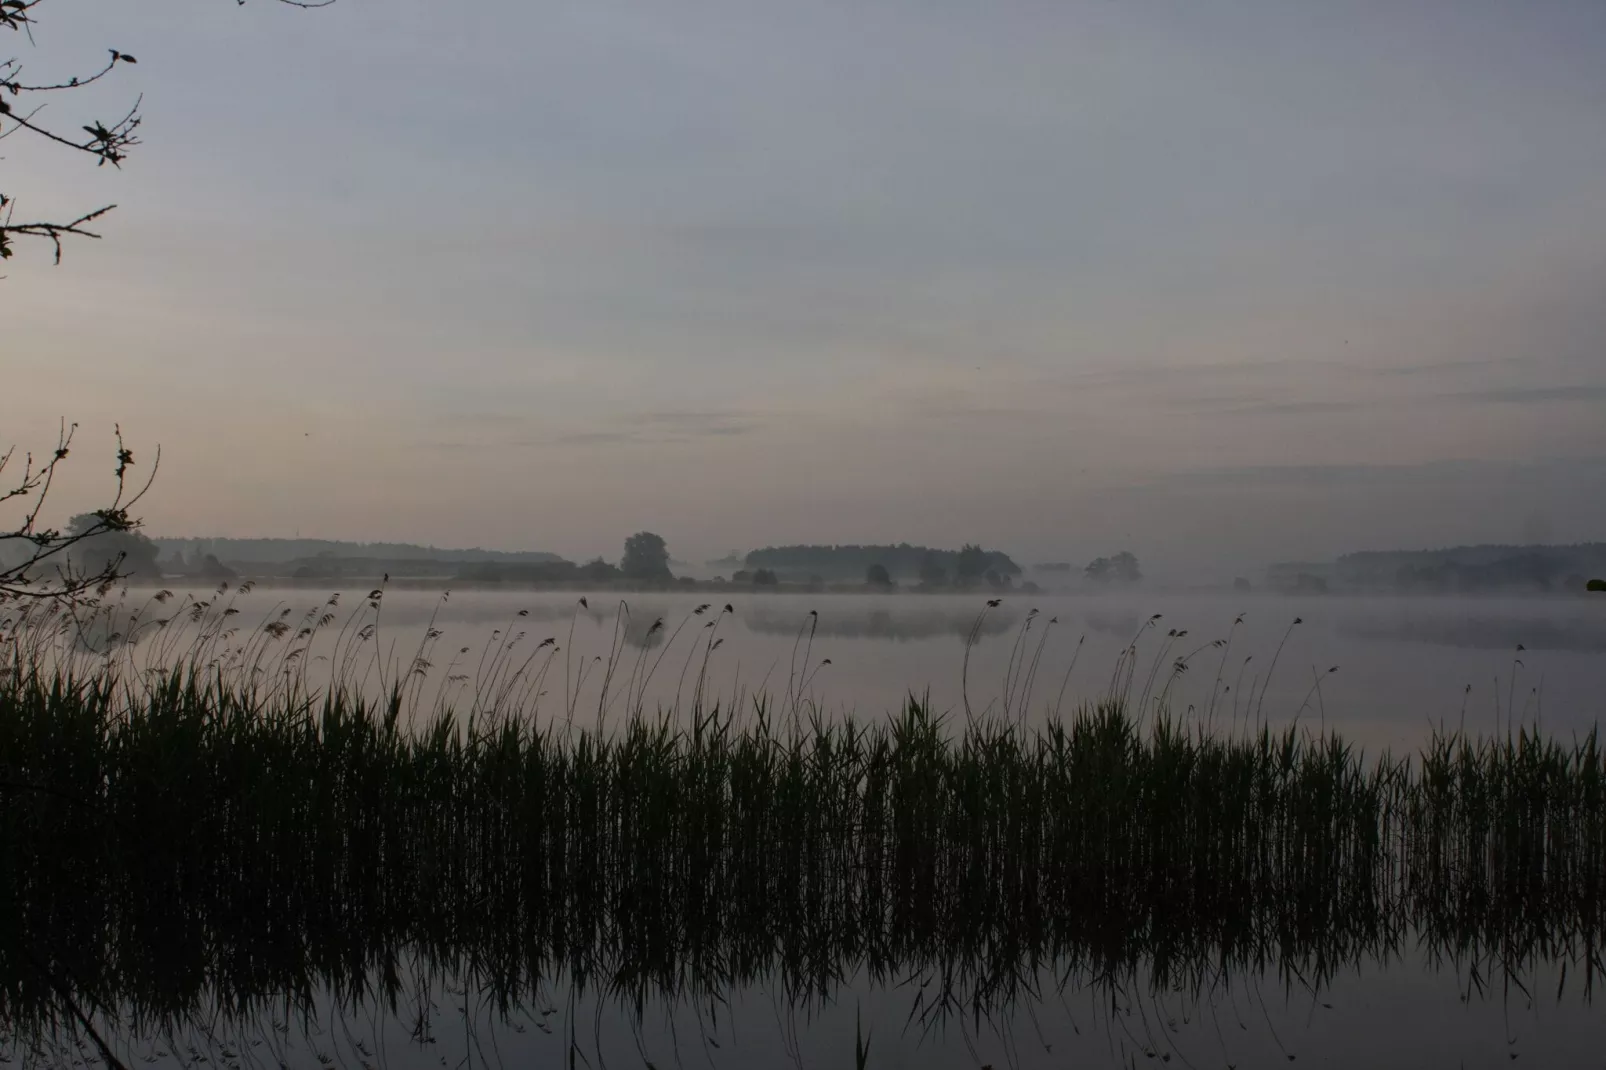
<point x="193" y="861"/>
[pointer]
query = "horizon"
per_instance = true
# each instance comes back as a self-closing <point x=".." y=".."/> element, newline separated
<point x="1074" y="567"/>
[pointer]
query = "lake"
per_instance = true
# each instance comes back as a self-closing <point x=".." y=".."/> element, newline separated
<point x="1399" y="967"/>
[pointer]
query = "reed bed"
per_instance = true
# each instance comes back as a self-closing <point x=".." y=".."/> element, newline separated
<point x="201" y="845"/>
<point x="211" y="836"/>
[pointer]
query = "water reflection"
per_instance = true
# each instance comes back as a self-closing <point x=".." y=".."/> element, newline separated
<point x="1477" y="630"/>
<point x="1115" y="625"/>
<point x="901" y="625"/>
<point x="234" y="972"/>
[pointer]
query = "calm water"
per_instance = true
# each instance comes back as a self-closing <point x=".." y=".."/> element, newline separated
<point x="1404" y="664"/>
<point x="1377" y="1018"/>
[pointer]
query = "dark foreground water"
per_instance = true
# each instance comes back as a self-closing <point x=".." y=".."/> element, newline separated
<point x="1404" y="1013"/>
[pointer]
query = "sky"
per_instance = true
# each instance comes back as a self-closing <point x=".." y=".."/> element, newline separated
<point x="1220" y="283"/>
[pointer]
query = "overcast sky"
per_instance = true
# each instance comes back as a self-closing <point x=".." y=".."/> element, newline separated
<point x="1221" y="282"/>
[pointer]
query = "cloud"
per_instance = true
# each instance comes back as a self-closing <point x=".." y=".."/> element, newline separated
<point x="594" y="438"/>
<point x="1452" y="470"/>
<point x="642" y="428"/>
<point x="1453" y="367"/>
<point x="677" y="424"/>
<point x="1534" y="395"/>
<point x="1250" y="407"/>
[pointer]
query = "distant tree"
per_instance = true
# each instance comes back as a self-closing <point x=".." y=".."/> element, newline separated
<point x="972" y="563"/>
<point x="1307" y="583"/>
<point x="599" y="571"/>
<point x="878" y="576"/>
<point x="646" y="558"/>
<point x="1595" y="586"/>
<point x="531" y="572"/>
<point x="1123" y="568"/>
<point x="850" y="561"/>
<point x="1126" y="567"/>
<point x="1240" y="584"/>
<point x="98" y="551"/>
<point x="212" y="570"/>
<point x="932" y="573"/>
<point x="765" y="578"/>
<point x="741" y="575"/>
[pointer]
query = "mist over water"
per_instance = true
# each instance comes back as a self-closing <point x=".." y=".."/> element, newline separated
<point x="1405" y="664"/>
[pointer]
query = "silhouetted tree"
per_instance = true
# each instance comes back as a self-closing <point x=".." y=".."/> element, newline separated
<point x="849" y="561"/>
<point x="765" y="578"/>
<point x="1596" y="586"/>
<point x="877" y="576"/>
<point x="932" y="572"/>
<point x="971" y="564"/>
<point x="22" y="100"/>
<point x="646" y="558"/>
<point x="212" y="570"/>
<point x="1123" y="567"/>
<point x="599" y="571"/>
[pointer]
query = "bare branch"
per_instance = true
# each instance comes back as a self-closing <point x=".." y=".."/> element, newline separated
<point x="50" y="231"/>
<point x="17" y="87"/>
<point x="45" y="549"/>
<point x="107" y="142"/>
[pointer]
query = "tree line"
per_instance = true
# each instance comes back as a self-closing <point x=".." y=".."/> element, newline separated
<point x="969" y="564"/>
